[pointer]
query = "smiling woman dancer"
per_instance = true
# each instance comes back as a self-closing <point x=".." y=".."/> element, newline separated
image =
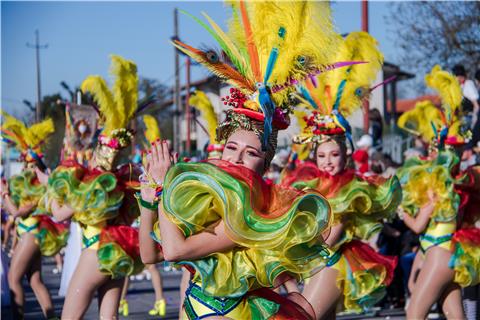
<point x="39" y="234"/>
<point x="359" y="204"/>
<point x="237" y="235"/>
<point x="101" y="200"/>
<point x="441" y="204"/>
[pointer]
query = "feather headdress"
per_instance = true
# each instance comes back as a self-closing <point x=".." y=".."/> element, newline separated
<point x="415" y="121"/>
<point x="27" y="139"/>
<point x="439" y="124"/>
<point x="152" y="131"/>
<point x="269" y="47"/>
<point x="118" y="105"/>
<point x="337" y="94"/>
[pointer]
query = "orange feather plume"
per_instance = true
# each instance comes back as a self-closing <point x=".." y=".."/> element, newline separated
<point x="251" y="47"/>
<point x="219" y="68"/>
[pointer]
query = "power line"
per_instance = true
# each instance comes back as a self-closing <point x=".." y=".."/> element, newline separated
<point x="37" y="46"/>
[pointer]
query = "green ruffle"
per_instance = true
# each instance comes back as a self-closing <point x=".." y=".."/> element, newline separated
<point x="417" y="175"/>
<point x="361" y="205"/>
<point x="114" y="261"/>
<point x="23" y="189"/>
<point x="94" y="201"/>
<point x="197" y="195"/>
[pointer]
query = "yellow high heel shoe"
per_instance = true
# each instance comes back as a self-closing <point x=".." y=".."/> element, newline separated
<point x="123" y="308"/>
<point x="159" y="308"/>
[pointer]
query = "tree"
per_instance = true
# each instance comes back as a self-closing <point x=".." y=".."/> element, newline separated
<point x="436" y="32"/>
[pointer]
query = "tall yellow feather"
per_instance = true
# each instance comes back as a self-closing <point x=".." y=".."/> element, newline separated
<point x="309" y="42"/>
<point x="200" y="101"/>
<point x="152" y="131"/>
<point x="26" y="137"/>
<point x="417" y="121"/>
<point x="119" y="105"/>
<point x="357" y="46"/>
<point x="447" y="86"/>
<point x="37" y="133"/>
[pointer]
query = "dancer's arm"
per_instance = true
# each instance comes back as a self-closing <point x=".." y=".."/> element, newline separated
<point x="420" y="222"/>
<point x="15" y="211"/>
<point x="148" y="248"/>
<point x="174" y="244"/>
<point x="61" y="213"/>
<point x="177" y="248"/>
<point x="334" y="234"/>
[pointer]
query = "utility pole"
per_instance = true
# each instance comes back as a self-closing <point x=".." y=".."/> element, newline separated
<point x="187" y="108"/>
<point x="37" y="48"/>
<point x="366" y="104"/>
<point x="176" y="118"/>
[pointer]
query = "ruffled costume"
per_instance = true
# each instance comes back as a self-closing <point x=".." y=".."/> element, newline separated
<point x="25" y="188"/>
<point x="451" y="225"/>
<point x="361" y="203"/>
<point x="50" y="236"/>
<point x="277" y="231"/>
<point x="102" y="203"/>
<point x="456" y="210"/>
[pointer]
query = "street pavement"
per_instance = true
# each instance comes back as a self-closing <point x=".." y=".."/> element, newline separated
<point x="141" y="298"/>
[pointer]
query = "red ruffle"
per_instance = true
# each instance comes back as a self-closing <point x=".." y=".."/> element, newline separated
<point x="46" y="222"/>
<point x="294" y="306"/>
<point x="361" y="256"/>
<point x="467" y="235"/>
<point x="125" y="236"/>
<point x="268" y="201"/>
<point x="327" y="185"/>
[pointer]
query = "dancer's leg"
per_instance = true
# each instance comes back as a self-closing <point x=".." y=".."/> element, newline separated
<point x="21" y="261"/>
<point x="85" y="280"/>
<point x="322" y="293"/>
<point x="34" y="276"/>
<point x="434" y="278"/>
<point x="109" y="298"/>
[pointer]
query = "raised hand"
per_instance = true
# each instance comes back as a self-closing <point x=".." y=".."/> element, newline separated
<point x="42" y="176"/>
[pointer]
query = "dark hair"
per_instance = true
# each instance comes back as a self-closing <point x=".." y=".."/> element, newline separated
<point x="477" y="75"/>
<point x="459" y="70"/>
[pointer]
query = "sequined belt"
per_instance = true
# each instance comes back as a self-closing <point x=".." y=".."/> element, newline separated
<point x="218" y="306"/>
<point x="88" y="242"/>
<point x="27" y="228"/>
<point x="435" y="241"/>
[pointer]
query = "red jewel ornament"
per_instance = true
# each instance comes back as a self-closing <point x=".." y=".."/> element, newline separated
<point x="236" y="98"/>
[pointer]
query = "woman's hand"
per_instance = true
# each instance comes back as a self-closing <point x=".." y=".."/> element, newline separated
<point x="42" y="176"/>
<point x="159" y="160"/>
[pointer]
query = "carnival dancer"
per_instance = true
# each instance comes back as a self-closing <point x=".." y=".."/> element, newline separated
<point x="39" y="234"/>
<point x="441" y="204"/>
<point x="359" y="204"/>
<point x="100" y="199"/>
<point x="238" y="235"/>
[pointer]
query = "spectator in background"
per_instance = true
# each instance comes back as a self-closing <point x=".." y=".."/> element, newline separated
<point x="470" y="103"/>
<point x="361" y="155"/>
<point x="376" y="128"/>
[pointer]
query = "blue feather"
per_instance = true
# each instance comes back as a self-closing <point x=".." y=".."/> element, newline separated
<point x="270" y="64"/>
<point x="435" y="132"/>
<point x="307" y="96"/>
<point x="343" y="122"/>
<point x="339" y="94"/>
<point x="272" y="59"/>
<point x="268" y="108"/>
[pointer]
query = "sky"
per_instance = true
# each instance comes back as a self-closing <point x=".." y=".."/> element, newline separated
<point x="82" y="35"/>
